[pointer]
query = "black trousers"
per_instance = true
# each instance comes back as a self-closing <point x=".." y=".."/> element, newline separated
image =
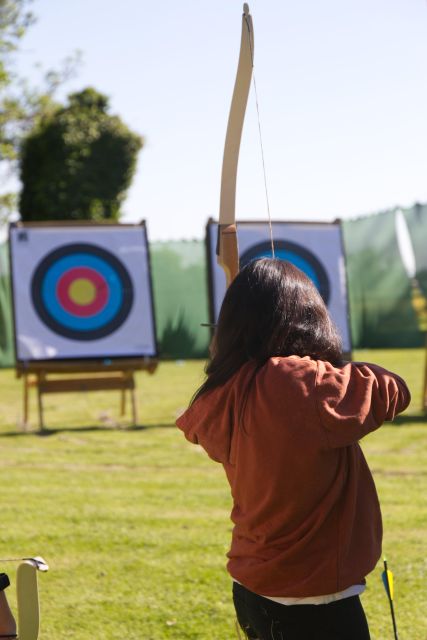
<point x="263" y="619"/>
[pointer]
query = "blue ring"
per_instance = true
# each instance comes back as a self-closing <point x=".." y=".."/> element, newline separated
<point x="67" y="319"/>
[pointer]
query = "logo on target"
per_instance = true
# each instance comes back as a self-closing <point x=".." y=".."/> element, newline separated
<point x="82" y="292"/>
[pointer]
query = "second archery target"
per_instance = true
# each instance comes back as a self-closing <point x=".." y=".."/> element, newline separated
<point x="315" y="248"/>
<point x="82" y="292"/>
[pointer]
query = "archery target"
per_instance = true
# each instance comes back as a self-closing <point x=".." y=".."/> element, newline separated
<point x="82" y="292"/>
<point x="315" y="248"/>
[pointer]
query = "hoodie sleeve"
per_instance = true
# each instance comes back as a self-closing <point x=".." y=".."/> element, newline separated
<point x="356" y="399"/>
<point x="210" y="425"/>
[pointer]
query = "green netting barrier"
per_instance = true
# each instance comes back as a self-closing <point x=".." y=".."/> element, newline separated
<point x="180" y="298"/>
<point x="417" y="223"/>
<point x="381" y="312"/>
<point x="7" y="353"/>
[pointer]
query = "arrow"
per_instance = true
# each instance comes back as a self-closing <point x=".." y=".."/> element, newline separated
<point x="387" y="578"/>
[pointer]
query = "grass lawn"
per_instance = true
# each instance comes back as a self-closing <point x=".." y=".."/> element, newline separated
<point x="135" y="522"/>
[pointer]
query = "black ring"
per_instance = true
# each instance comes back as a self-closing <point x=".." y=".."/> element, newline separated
<point x="112" y="261"/>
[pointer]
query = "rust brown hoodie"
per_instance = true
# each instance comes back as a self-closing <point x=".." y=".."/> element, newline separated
<point x="306" y="516"/>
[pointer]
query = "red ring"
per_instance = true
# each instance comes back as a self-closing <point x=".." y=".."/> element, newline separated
<point x="82" y="310"/>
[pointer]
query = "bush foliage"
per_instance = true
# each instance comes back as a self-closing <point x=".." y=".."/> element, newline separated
<point x="78" y="162"/>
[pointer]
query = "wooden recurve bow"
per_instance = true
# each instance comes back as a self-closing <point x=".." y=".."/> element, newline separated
<point x="227" y="245"/>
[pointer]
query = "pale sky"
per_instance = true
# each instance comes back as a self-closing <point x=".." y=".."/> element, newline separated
<point x="341" y="84"/>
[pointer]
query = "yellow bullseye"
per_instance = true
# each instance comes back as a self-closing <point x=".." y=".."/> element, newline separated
<point x="82" y="291"/>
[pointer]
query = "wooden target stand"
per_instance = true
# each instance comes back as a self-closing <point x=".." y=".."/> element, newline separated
<point x="82" y="376"/>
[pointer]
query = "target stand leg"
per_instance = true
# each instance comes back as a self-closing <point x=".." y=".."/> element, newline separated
<point x="40" y="379"/>
<point x="134" y="408"/>
<point x="123" y="402"/>
<point x="130" y="384"/>
<point x="26" y="401"/>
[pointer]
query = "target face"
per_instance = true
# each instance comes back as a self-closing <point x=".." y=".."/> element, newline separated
<point x="82" y="292"/>
<point x="296" y="254"/>
<point x="315" y="248"/>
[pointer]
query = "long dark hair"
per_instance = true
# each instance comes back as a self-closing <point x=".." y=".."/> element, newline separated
<point x="270" y="309"/>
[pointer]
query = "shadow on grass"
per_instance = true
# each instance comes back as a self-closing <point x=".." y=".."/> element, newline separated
<point x="410" y="419"/>
<point x="397" y="422"/>
<point x="85" y="429"/>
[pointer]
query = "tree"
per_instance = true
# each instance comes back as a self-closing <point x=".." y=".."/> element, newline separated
<point x="14" y="19"/>
<point x="21" y="105"/>
<point x="77" y="162"/>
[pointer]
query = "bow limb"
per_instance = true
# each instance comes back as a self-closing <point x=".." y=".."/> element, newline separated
<point x="227" y="247"/>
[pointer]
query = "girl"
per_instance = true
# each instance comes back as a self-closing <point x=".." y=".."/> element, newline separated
<point x="283" y="414"/>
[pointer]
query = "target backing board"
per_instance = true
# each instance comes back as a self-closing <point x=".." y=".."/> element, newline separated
<point x="81" y="291"/>
<point x="314" y="247"/>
